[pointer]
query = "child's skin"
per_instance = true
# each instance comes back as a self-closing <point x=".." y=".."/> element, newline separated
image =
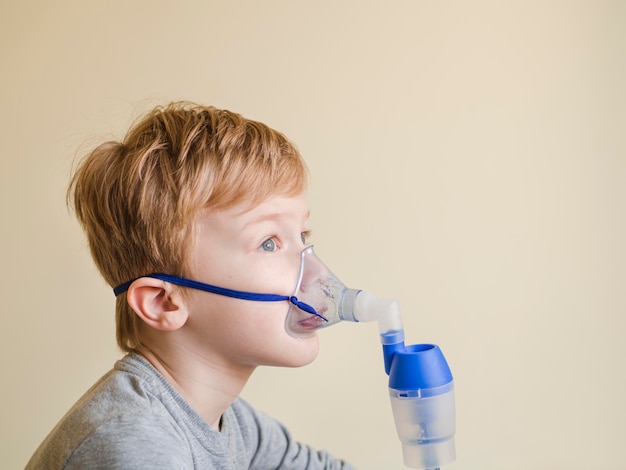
<point x="207" y="345"/>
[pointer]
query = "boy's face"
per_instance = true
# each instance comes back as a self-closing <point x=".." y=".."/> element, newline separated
<point x="254" y="249"/>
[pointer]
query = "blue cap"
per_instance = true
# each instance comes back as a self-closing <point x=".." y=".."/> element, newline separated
<point x="417" y="367"/>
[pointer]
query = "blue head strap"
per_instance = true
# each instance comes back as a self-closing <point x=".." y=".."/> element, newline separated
<point x="237" y="294"/>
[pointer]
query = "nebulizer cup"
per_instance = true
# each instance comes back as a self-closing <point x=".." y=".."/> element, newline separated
<point x="421" y="386"/>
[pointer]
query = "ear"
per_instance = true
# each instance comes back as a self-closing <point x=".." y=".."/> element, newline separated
<point x="157" y="304"/>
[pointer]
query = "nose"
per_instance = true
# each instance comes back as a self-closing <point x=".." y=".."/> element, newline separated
<point x="313" y="270"/>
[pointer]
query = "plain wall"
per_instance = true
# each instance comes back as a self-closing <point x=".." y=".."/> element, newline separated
<point x="468" y="158"/>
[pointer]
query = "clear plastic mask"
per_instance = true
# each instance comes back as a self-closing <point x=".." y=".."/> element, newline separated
<point x="319" y="288"/>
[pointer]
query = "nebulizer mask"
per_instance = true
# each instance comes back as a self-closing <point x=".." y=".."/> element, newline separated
<point x="420" y="382"/>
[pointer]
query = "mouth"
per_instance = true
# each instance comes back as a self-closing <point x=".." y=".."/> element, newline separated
<point x="311" y="323"/>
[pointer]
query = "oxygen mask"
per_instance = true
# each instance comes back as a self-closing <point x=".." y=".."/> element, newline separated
<point x="320" y="289"/>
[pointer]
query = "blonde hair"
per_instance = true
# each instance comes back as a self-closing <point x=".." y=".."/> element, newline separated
<point x="137" y="199"/>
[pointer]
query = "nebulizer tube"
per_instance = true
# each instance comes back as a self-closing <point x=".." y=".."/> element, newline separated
<point x="421" y="385"/>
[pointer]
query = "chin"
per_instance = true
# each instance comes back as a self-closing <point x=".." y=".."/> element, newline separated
<point x="300" y="353"/>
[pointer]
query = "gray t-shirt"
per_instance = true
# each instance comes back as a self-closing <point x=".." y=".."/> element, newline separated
<point x="132" y="418"/>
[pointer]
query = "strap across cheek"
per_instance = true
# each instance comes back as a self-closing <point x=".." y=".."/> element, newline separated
<point x="237" y="294"/>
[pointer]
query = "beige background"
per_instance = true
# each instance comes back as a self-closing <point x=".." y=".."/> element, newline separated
<point x="468" y="158"/>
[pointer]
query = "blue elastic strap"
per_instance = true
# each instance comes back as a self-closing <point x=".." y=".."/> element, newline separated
<point x="237" y="294"/>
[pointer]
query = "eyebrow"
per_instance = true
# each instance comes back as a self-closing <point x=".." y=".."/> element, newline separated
<point x="271" y="217"/>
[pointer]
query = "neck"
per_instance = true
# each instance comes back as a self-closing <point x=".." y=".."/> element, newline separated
<point x="210" y="387"/>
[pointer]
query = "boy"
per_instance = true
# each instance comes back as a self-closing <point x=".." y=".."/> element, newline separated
<point x="203" y="194"/>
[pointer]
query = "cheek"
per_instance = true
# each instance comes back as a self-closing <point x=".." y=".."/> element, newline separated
<point x="251" y="333"/>
<point x="276" y="277"/>
<point x="269" y="274"/>
<point x="239" y="318"/>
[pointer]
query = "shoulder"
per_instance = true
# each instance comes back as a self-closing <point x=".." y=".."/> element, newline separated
<point x="123" y="414"/>
<point x="136" y="441"/>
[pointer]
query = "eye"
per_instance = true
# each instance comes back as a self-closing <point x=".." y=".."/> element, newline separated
<point x="269" y="245"/>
